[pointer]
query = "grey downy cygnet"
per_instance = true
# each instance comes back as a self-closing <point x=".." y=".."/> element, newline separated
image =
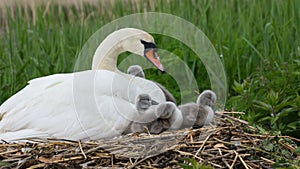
<point x="137" y="70"/>
<point x="166" y="114"/>
<point x="193" y="114"/>
<point x="162" y="116"/>
<point x="200" y="113"/>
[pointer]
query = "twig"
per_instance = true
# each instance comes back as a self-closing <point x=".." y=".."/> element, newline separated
<point x="138" y="162"/>
<point x="189" y="154"/>
<point x="4" y="141"/>
<point x="202" y="145"/>
<point x="54" y="140"/>
<point x="82" y="150"/>
<point x="228" y="112"/>
<point x="253" y="165"/>
<point x="148" y="132"/>
<point x="68" y="159"/>
<point x="225" y="162"/>
<point x="214" y="164"/>
<point x="245" y="165"/>
<point x="10" y="145"/>
<point x="94" y="149"/>
<point x="235" y="119"/>
<point x="218" y="157"/>
<point x="289" y="137"/>
<point x="269" y="136"/>
<point x="84" y="165"/>
<point x="223" y="159"/>
<point x="8" y="152"/>
<point x="234" y="160"/>
<point x="287" y="146"/>
<point x="37" y="166"/>
<point x="253" y="148"/>
<point x="197" y="157"/>
<point x="269" y="161"/>
<point x="130" y="160"/>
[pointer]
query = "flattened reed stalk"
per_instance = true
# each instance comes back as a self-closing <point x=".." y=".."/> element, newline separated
<point x="230" y="144"/>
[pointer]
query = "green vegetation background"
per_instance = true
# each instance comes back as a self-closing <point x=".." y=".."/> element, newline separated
<point x="258" y="41"/>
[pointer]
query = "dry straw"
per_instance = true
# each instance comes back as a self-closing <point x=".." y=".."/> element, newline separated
<point x="230" y="144"/>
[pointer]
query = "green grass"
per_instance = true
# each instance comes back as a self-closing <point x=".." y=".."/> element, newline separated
<point x="248" y="34"/>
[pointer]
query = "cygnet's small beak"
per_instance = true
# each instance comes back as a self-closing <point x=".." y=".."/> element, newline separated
<point x="152" y="56"/>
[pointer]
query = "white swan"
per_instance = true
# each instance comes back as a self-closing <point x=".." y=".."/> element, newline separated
<point x="85" y="105"/>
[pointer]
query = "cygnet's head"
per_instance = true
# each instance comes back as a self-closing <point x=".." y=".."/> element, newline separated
<point x="207" y="98"/>
<point x="136" y="70"/>
<point x="142" y="102"/>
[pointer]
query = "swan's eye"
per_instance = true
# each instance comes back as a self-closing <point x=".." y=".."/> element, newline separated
<point x="151" y="52"/>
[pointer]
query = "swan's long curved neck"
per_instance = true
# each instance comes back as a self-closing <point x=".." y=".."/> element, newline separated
<point x="106" y="57"/>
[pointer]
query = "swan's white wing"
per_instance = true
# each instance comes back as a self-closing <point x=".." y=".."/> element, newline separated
<point x="33" y="90"/>
<point x="41" y="109"/>
<point x="83" y="105"/>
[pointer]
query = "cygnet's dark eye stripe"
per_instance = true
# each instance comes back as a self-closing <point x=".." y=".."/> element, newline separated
<point x="148" y="45"/>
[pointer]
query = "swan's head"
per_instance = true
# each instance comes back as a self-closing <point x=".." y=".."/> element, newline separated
<point x="207" y="98"/>
<point x="136" y="70"/>
<point x="127" y="39"/>
<point x="141" y="43"/>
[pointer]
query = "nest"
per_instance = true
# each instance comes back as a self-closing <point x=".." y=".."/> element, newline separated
<point x="232" y="143"/>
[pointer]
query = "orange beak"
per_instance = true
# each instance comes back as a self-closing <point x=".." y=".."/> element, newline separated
<point x="153" y="57"/>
